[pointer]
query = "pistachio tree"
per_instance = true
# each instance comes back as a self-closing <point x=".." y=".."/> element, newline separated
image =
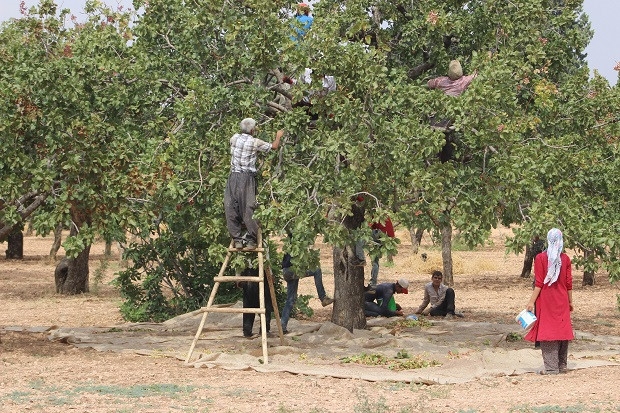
<point x="365" y="151"/>
<point x="142" y="143"/>
<point x="74" y="127"/>
<point x="578" y="190"/>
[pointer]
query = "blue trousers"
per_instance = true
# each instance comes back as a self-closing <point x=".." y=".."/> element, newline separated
<point x="292" y="285"/>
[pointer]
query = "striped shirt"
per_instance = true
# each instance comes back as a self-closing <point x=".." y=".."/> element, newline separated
<point x="243" y="151"/>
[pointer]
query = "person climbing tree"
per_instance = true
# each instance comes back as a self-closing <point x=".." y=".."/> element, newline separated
<point x="452" y="85"/>
<point x="303" y="22"/>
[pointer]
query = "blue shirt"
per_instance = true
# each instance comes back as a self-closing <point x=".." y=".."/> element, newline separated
<point x="302" y="26"/>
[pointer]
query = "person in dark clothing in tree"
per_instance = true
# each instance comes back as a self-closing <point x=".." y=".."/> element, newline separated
<point x="452" y="85"/>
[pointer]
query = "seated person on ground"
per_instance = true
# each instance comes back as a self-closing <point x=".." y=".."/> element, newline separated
<point x="439" y="296"/>
<point x="378" y="302"/>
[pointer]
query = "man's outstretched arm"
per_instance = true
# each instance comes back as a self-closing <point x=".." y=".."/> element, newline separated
<point x="276" y="143"/>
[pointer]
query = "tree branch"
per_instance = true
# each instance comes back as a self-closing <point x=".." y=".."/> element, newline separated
<point x="274" y="105"/>
<point x="282" y="91"/>
<point x="239" y="82"/>
<point x="24" y="212"/>
<point x="417" y="71"/>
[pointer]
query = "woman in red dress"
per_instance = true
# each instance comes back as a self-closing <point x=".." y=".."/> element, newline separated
<point x="553" y="299"/>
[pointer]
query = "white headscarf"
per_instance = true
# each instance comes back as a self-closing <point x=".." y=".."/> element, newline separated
<point x="555" y="245"/>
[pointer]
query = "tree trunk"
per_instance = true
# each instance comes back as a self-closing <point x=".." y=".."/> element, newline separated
<point x="29" y="229"/>
<point x="60" y="274"/>
<point x="526" y="272"/>
<point x="348" y="309"/>
<point x="57" y="241"/>
<point x="15" y="241"/>
<point x="108" y="249"/>
<point x="588" y="276"/>
<point x="446" y="253"/>
<point x="416" y="238"/>
<point x="77" y="270"/>
<point x="531" y="251"/>
<point x="77" y="274"/>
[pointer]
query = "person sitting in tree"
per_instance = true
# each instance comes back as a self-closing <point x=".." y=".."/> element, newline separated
<point x="303" y="22"/>
<point x="454" y="84"/>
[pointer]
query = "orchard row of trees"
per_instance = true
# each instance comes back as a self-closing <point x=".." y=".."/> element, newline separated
<point x="119" y="125"/>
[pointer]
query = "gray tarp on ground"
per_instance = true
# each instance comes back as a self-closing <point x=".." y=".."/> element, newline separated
<point x="465" y="350"/>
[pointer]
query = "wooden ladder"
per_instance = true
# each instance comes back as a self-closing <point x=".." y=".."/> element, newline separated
<point x="260" y="279"/>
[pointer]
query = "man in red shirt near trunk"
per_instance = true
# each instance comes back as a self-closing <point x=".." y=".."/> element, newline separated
<point x="377" y="228"/>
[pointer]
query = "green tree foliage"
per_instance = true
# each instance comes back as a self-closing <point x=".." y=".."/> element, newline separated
<point x="527" y="131"/>
<point x="372" y="136"/>
<point x="578" y="188"/>
<point x="207" y="81"/>
<point x="73" y="126"/>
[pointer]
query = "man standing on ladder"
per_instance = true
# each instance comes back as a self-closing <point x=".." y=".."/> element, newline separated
<point x="240" y="193"/>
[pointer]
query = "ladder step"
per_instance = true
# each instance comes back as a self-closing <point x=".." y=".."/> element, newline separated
<point x="235" y="278"/>
<point x="233" y="310"/>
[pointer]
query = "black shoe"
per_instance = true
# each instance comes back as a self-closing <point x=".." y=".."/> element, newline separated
<point x="251" y="245"/>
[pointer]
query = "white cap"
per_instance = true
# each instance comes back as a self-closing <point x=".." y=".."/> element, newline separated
<point x="404" y="284"/>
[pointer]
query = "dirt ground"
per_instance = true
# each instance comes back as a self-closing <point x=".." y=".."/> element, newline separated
<point x="37" y="374"/>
